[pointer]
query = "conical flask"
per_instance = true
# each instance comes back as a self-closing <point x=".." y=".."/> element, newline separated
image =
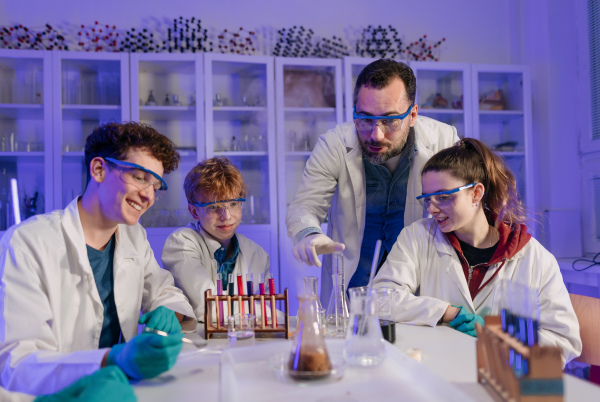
<point x="336" y="317"/>
<point x="309" y="358"/>
<point x="364" y="341"/>
<point x="311" y="284"/>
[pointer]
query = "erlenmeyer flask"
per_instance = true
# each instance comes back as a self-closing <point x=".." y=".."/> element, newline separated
<point x="309" y="358"/>
<point x="364" y="341"/>
<point x="311" y="284"/>
<point x="336" y="317"/>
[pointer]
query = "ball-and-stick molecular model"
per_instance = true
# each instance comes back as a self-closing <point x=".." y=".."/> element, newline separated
<point x="379" y="42"/>
<point x="98" y="37"/>
<point x="423" y="49"/>
<point x="237" y="42"/>
<point x="330" y="48"/>
<point x="22" y="37"/>
<point x="294" y="42"/>
<point x="187" y="36"/>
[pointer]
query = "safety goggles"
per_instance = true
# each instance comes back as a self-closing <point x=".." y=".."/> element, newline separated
<point x="387" y="124"/>
<point x="441" y="199"/>
<point x="140" y="177"/>
<point x="216" y="209"/>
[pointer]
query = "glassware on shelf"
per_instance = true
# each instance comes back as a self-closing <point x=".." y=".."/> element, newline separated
<point x="167" y="101"/>
<point x="176" y="100"/>
<point x="218" y="100"/>
<point x="364" y="341"/>
<point x="309" y="358"/>
<point x="234" y="144"/>
<point x="151" y="101"/>
<point x="336" y="317"/>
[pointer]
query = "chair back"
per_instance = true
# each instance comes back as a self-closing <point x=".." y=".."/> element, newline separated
<point x="587" y="310"/>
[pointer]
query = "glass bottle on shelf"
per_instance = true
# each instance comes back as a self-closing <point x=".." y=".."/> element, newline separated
<point x="151" y="101"/>
<point x="176" y="100"/>
<point x="336" y="317"/>
<point x="167" y="100"/>
<point x="309" y="358"/>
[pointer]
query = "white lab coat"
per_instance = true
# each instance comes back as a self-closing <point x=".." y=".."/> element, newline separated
<point x="423" y="260"/>
<point x="334" y="181"/>
<point x="188" y="254"/>
<point x="6" y="396"/>
<point x="51" y="313"/>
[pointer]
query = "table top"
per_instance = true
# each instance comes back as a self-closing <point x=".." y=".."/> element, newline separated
<point x="445" y="354"/>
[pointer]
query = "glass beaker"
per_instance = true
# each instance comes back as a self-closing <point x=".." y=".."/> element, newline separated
<point x="311" y="285"/>
<point x="364" y="341"/>
<point x="309" y="358"/>
<point x="385" y="299"/>
<point x="336" y="317"/>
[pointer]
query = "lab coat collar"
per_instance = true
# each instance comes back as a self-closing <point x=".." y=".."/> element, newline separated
<point x="211" y="243"/>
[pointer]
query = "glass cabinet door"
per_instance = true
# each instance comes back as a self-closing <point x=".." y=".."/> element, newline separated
<point x="309" y="100"/>
<point x="240" y="125"/>
<point x="91" y="89"/>
<point x="25" y="135"/>
<point x="166" y="93"/>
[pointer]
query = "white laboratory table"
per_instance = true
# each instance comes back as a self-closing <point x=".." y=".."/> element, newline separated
<point x="448" y="356"/>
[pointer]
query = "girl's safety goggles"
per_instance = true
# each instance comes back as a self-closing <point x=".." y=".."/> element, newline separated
<point x="441" y="199"/>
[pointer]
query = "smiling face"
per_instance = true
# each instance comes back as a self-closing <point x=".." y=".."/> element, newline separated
<point x="122" y="202"/>
<point x="377" y="146"/>
<point x="222" y="227"/>
<point x="461" y="215"/>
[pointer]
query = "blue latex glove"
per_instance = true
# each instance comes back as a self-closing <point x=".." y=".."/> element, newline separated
<point x="107" y="384"/>
<point x="465" y="322"/>
<point x="146" y="355"/>
<point x="162" y="319"/>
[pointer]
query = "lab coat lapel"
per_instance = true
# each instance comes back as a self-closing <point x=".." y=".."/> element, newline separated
<point x="127" y="274"/>
<point x="452" y="268"/>
<point x="356" y="172"/>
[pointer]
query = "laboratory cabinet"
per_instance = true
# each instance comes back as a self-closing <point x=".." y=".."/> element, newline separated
<point x="308" y="95"/>
<point x="25" y="133"/>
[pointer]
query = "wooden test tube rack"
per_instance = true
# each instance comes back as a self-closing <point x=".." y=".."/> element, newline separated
<point x="213" y="326"/>
<point x="544" y="381"/>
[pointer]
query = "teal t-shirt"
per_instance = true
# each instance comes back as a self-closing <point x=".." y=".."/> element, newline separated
<point x="102" y="266"/>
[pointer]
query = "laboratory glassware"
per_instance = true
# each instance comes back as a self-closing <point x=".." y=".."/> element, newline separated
<point x="336" y="317"/>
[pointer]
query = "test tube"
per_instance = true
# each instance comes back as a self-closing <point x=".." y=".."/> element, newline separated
<point x="272" y="292"/>
<point x="261" y="288"/>
<point x="219" y="293"/>
<point x="240" y="283"/>
<point x="249" y="288"/>
<point x="231" y="286"/>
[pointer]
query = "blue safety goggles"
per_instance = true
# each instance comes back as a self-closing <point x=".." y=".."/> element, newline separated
<point x="393" y="117"/>
<point x="206" y="204"/>
<point x="140" y="181"/>
<point x="441" y="199"/>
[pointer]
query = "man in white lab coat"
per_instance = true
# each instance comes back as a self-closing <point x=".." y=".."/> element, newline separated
<point x="73" y="282"/>
<point x="365" y="175"/>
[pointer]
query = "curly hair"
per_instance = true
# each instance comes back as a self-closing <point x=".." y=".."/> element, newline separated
<point x="471" y="161"/>
<point x="114" y="140"/>
<point x="381" y="72"/>
<point x="214" y="179"/>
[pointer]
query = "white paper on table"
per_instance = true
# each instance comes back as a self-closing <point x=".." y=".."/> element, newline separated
<point x="249" y="378"/>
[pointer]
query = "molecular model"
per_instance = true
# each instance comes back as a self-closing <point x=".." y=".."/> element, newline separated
<point x="379" y="42"/>
<point x="187" y="36"/>
<point x="22" y="37"/>
<point x="423" y="49"/>
<point x="294" y="42"/>
<point x="139" y="41"/>
<point x="97" y="37"/>
<point x="240" y="42"/>
<point x="331" y="48"/>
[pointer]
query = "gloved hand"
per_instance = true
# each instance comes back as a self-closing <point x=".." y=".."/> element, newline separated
<point x="465" y="322"/>
<point x="107" y="384"/>
<point x="162" y="319"/>
<point x="308" y="249"/>
<point x="146" y="355"/>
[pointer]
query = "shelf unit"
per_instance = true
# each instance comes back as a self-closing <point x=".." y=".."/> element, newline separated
<point x="174" y="109"/>
<point x="309" y="99"/>
<point x="25" y="132"/>
<point x="240" y="125"/>
<point x="452" y="81"/>
<point x="511" y="125"/>
<point x="352" y="68"/>
<point x="89" y="89"/>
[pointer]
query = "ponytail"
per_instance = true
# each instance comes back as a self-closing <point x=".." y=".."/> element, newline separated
<point x="471" y="161"/>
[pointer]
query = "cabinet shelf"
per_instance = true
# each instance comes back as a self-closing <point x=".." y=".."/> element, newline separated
<point x="14" y="156"/>
<point x="240" y="153"/>
<point x="21" y="111"/>
<point x="501" y="113"/>
<point x="309" y="110"/>
<point x="91" y="112"/>
<point x="167" y="112"/>
<point x="433" y="111"/>
<point x="299" y="154"/>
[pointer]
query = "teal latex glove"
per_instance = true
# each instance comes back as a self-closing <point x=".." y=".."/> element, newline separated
<point x="162" y="319"/>
<point x="146" y="355"/>
<point x="465" y="322"/>
<point x="107" y="384"/>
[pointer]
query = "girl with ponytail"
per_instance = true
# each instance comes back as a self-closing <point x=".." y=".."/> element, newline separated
<point x="476" y="238"/>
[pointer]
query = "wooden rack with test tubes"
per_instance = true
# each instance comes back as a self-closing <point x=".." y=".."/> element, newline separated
<point x="212" y="305"/>
<point x="543" y="383"/>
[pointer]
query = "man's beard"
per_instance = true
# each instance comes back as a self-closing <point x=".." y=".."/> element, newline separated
<point x="380" y="158"/>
